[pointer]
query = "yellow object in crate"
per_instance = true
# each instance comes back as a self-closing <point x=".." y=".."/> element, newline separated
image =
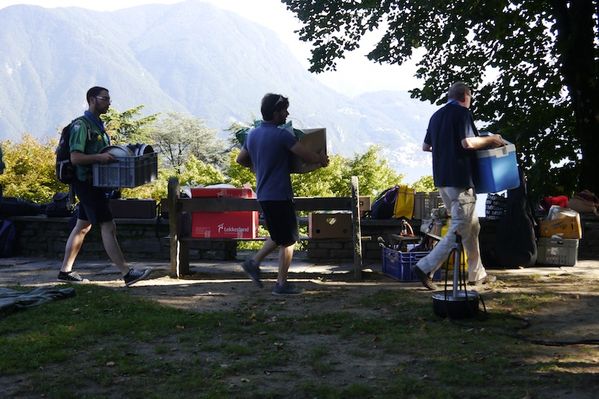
<point x="443" y="232"/>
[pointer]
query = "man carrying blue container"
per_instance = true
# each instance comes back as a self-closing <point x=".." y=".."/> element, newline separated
<point x="452" y="138"/>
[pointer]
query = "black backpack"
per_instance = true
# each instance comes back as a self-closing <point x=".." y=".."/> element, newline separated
<point x="384" y="204"/>
<point x="511" y="240"/>
<point x="65" y="170"/>
<point x="60" y="206"/>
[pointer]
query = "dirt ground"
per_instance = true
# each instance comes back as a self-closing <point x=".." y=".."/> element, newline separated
<point x="222" y="285"/>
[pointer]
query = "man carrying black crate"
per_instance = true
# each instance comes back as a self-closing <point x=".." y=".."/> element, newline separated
<point x="86" y="139"/>
<point x="452" y="138"/>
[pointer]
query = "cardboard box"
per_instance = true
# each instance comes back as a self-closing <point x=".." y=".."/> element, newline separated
<point x="133" y="208"/>
<point x="566" y="227"/>
<point x="496" y="170"/>
<point x="329" y="225"/>
<point x="224" y="224"/>
<point x="315" y="140"/>
<point x="558" y="252"/>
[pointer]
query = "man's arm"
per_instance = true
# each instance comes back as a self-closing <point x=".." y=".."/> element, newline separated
<point x="243" y="158"/>
<point x="308" y="155"/>
<point x="427" y="147"/>
<point x="79" y="158"/>
<point x="482" y="142"/>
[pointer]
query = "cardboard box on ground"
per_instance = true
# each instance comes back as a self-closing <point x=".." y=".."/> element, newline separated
<point x="329" y="225"/>
<point x="563" y="222"/>
<point x="315" y="140"/>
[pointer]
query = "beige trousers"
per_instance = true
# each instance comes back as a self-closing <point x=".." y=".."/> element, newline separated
<point x="460" y="203"/>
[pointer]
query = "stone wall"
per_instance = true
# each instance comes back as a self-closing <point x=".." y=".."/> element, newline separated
<point x="40" y="236"/>
<point x="145" y="239"/>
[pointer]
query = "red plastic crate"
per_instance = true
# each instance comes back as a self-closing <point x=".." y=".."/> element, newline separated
<point x="242" y="224"/>
<point x="224" y="224"/>
<point x="215" y="192"/>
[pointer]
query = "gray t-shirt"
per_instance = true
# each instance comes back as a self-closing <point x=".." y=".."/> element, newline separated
<point x="269" y="148"/>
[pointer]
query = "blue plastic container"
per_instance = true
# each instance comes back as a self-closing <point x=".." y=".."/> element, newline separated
<point x="496" y="170"/>
<point x="399" y="264"/>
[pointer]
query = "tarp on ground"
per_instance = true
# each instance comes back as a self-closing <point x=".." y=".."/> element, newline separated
<point x="13" y="300"/>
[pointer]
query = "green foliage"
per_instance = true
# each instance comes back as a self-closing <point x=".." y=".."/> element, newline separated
<point x="374" y="174"/>
<point x="156" y="190"/>
<point x="534" y="69"/>
<point x="196" y="173"/>
<point x="30" y="170"/>
<point x="124" y="129"/>
<point x="178" y="136"/>
<point x="239" y="175"/>
<point x="238" y="131"/>
<point x="323" y="182"/>
<point x="424" y="184"/>
<point x="30" y="174"/>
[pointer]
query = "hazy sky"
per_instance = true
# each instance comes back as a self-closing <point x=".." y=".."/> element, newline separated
<point x="354" y="75"/>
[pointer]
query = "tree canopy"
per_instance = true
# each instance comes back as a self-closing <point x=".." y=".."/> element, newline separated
<point x="128" y="126"/>
<point x="534" y="66"/>
<point x="178" y="136"/>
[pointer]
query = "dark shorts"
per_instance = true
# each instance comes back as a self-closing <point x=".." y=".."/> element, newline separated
<point x="281" y="221"/>
<point x="93" y="203"/>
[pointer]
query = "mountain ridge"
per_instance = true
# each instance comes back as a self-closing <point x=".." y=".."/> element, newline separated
<point x="188" y="57"/>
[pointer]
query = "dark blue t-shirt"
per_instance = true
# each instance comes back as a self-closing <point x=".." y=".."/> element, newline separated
<point x="452" y="163"/>
<point x="269" y="149"/>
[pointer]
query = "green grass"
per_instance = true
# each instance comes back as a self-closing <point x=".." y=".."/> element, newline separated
<point x="105" y="342"/>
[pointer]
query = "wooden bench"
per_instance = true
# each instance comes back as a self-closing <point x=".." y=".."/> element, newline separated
<point x="180" y="241"/>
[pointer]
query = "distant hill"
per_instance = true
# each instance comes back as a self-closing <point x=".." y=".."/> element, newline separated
<point x="189" y="57"/>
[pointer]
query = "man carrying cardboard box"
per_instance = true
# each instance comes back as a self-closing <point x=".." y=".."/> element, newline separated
<point x="268" y="151"/>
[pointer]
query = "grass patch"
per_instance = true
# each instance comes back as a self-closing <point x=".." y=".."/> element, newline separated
<point x="387" y="344"/>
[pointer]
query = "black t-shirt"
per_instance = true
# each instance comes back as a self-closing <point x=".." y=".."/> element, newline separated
<point x="452" y="164"/>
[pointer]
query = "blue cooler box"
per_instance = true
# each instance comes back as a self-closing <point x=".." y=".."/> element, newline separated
<point x="496" y="170"/>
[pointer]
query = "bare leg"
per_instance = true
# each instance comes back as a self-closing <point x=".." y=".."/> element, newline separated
<point x="74" y="243"/>
<point x="285" y="257"/>
<point x="111" y="245"/>
<point x="267" y="248"/>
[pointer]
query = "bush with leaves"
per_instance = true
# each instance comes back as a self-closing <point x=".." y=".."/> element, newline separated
<point x="30" y="170"/>
<point x="424" y="184"/>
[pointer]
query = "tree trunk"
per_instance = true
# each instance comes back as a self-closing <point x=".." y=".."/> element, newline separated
<point x="577" y="54"/>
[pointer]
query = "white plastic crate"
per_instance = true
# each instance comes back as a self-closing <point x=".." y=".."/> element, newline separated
<point x="127" y="172"/>
<point x="557" y="251"/>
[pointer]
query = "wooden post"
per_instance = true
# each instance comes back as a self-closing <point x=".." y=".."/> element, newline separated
<point x="357" y="230"/>
<point x="173" y="225"/>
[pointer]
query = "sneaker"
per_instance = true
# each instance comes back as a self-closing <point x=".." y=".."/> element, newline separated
<point x="135" y="275"/>
<point x="253" y="270"/>
<point x="286" y="289"/>
<point x="485" y="280"/>
<point x="425" y="279"/>
<point x="71" y="277"/>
